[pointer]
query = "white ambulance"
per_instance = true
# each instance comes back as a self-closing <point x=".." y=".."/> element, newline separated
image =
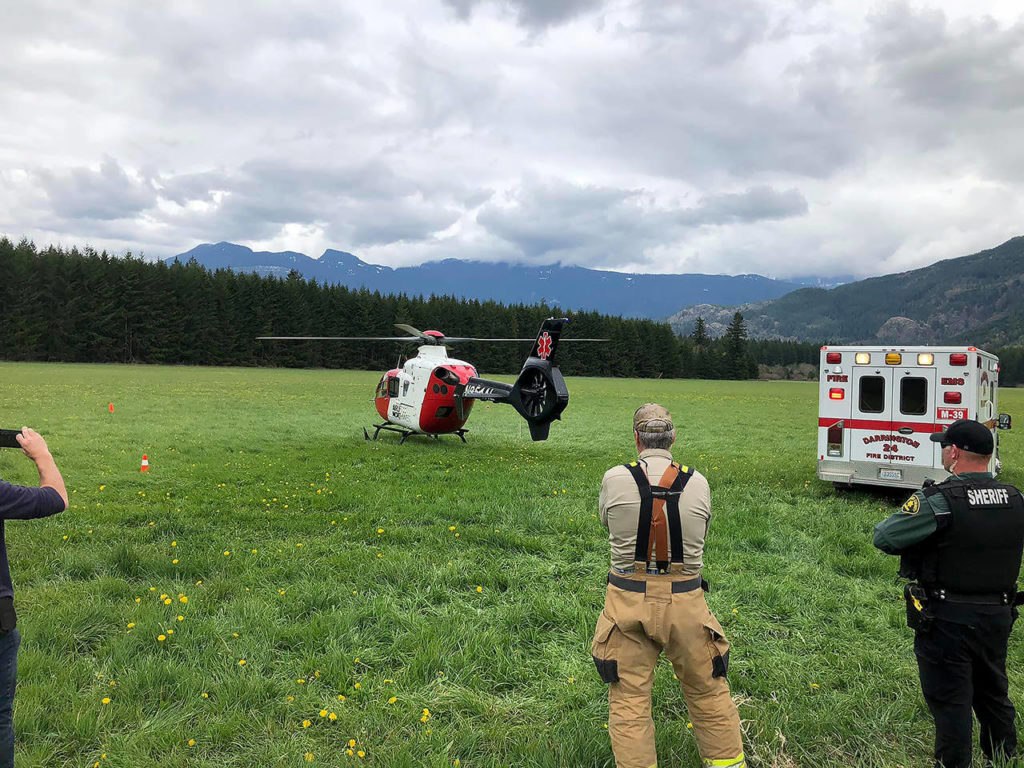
<point x="877" y="407"/>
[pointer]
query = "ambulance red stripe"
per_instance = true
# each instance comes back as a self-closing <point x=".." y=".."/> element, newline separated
<point x="890" y="426"/>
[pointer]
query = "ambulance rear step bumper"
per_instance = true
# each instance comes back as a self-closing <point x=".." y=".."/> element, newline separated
<point x="866" y="473"/>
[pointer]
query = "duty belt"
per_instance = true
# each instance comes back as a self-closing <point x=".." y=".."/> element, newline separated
<point x="631" y="585"/>
<point x="987" y="598"/>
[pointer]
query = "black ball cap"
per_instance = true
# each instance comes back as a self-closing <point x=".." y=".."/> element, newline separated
<point x="967" y="435"/>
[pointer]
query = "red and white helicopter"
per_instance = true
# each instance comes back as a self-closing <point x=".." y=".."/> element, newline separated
<point x="432" y="394"/>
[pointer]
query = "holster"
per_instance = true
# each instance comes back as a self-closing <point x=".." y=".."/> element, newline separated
<point x="8" y="618"/>
<point x="919" y="618"/>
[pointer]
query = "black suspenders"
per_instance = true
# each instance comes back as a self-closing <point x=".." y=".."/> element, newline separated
<point x="670" y="496"/>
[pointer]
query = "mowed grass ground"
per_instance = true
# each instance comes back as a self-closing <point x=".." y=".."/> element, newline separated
<point x="430" y="604"/>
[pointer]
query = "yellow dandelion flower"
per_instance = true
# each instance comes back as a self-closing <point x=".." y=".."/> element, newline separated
<point x="323" y="713"/>
<point x="301" y="681"/>
<point x="332" y="716"/>
<point x="241" y="662"/>
<point x="131" y="624"/>
<point x="167" y="601"/>
<point x="281" y="591"/>
<point x="735" y="610"/>
<point x="479" y="589"/>
<point x="174" y="561"/>
<point x="380" y="554"/>
<point x="689" y="725"/>
<point x="349" y="752"/>
<point x="138" y="599"/>
<point x="357" y="686"/>
<point x="191" y="742"/>
<point x="183" y="599"/>
<point x="340" y="697"/>
<point x="162" y="597"/>
<point x="170" y="631"/>
<point x="255" y="551"/>
<point x="309" y="757"/>
<point x="305" y="723"/>
<point x="361" y="753"/>
<point x="451" y="527"/>
<point x="392" y="700"/>
<point x="174" y="543"/>
<point x="206" y="695"/>
<point x="181" y="618"/>
<point x="351" y="742"/>
<point x="814" y="686"/>
<point x="105" y="700"/>
<point x="227" y="552"/>
<point x="161" y="638"/>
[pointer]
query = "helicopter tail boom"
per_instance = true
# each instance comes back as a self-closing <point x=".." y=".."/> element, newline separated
<point x="539" y="394"/>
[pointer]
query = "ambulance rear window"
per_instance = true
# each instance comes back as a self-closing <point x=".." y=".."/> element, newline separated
<point x="914" y="396"/>
<point x="872" y="394"/>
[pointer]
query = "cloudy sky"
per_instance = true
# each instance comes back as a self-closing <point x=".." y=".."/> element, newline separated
<point x="783" y="137"/>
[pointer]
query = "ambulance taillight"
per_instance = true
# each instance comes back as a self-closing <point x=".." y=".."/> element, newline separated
<point x="835" y="439"/>
<point x="951" y="397"/>
<point x="833" y="358"/>
<point x="862" y="358"/>
<point x="893" y="358"/>
<point x="836" y="393"/>
<point x="958" y="359"/>
<point x="925" y="358"/>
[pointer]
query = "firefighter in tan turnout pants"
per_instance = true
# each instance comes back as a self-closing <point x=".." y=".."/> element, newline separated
<point x="657" y="514"/>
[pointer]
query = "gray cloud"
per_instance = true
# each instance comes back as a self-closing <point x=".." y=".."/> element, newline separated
<point x="107" y="193"/>
<point x="673" y="136"/>
<point x="533" y="14"/>
<point x="550" y="221"/>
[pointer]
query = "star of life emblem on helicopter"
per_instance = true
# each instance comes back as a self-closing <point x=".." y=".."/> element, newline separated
<point x="544" y="346"/>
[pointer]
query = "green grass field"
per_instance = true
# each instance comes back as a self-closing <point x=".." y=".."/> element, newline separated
<point x="431" y="604"/>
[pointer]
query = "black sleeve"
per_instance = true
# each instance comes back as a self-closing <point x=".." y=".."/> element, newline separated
<point x="20" y="502"/>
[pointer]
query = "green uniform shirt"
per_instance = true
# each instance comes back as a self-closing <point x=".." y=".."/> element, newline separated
<point x="915" y="521"/>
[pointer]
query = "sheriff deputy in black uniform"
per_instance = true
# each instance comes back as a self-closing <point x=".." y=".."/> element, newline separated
<point x="962" y="540"/>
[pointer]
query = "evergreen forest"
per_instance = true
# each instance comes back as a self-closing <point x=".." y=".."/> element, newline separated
<point x="72" y="305"/>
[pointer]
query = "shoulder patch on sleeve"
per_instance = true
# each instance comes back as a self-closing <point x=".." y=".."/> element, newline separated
<point x="912" y="506"/>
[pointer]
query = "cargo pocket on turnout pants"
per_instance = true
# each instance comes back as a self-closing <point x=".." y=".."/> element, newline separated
<point x="603" y="649"/>
<point x="718" y="647"/>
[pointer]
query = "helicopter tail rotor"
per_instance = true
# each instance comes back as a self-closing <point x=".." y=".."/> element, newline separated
<point x="539" y="394"/>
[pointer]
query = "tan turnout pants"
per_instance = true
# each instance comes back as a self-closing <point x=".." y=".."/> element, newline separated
<point x="632" y="631"/>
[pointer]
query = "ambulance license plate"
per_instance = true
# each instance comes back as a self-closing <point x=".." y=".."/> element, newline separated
<point x="890" y="474"/>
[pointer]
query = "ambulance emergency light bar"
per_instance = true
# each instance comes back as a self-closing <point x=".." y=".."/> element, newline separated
<point x="896" y="358"/>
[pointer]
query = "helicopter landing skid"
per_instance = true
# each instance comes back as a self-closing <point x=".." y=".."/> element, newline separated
<point x="387" y="426"/>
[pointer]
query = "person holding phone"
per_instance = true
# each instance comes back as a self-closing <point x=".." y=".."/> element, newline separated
<point x="19" y="502"/>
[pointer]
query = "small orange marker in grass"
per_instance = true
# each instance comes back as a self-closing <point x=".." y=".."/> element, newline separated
<point x="145" y="464"/>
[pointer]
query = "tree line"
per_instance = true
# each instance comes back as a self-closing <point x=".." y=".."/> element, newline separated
<point x="72" y="305"/>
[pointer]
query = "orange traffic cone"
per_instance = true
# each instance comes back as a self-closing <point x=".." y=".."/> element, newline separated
<point x="145" y="464"/>
<point x="111" y="407"/>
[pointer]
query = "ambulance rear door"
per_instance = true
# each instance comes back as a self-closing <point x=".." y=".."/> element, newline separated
<point x="871" y="413"/>
<point x="913" y="420"/>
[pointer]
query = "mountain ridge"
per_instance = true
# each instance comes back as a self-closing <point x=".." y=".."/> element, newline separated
<point x="974" y="299"/>
<point x="569" y="287"/>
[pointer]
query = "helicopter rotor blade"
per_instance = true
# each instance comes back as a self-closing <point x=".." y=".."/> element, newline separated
<point x="341" y="338"/>
<point x="455" y="339"/>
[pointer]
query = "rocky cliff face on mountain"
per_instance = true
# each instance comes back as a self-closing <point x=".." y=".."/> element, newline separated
<point x="976" y="299"/>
